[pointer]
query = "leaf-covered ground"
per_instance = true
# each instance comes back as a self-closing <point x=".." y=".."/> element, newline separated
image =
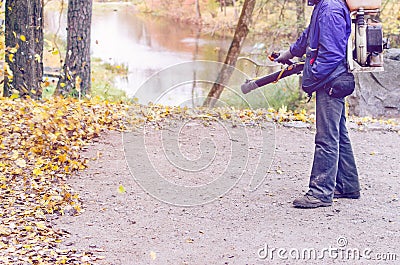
<point x="40" y="147"/>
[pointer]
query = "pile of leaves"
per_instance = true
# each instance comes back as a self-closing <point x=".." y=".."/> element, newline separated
<point x="40" y="145"/>
<point x="159" y="114"/>
<point x="40" y="148"/>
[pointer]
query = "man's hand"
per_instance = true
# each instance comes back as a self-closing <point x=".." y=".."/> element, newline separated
<point x="284" y="57"/>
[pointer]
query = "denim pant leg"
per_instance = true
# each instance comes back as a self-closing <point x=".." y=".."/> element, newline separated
<point x="329" y="113"/>
<point x="347" y="176"/>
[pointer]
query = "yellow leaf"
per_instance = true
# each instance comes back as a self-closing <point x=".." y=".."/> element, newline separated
<point x="22" y="37"/>
<point x="60" y="113"/>
<point x="37" y="171"/>
<point x="28" y="228"/>
<point x="14" y="96"/>
<point x="38" y="58"/>
<point x="40" y="225"/>
<point x="55" y="52"/>
<point x="11" y="57"/>
<point x="78" y="208"/>
<point x="14" y="155"/>
<point x="121" y="189"/>
<point x="78" y="81"/>
<point x="153" y="255"/>
<point x="13" y="49"/>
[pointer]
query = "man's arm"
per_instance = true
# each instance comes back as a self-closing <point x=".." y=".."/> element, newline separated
<point x="296" y="49"/>
<point x="299" y="47"/>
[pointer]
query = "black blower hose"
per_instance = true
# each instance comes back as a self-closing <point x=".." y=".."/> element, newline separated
<point x="250" y="85"/>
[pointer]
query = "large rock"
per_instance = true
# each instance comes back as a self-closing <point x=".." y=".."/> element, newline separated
<point x="378" y="94"/>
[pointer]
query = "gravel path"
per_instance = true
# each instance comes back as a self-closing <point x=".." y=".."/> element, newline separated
<point x="241" y="227"/>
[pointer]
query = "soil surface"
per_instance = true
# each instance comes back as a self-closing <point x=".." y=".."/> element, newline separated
<point x="126" y="225"/>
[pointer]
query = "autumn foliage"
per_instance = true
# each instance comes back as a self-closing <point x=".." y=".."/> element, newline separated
<point x="40" y="144"/>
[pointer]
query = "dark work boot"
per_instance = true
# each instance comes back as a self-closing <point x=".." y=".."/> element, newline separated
<point x="309" y="201"/>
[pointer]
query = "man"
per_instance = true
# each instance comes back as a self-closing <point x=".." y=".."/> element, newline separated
<point x="334" y="173"/>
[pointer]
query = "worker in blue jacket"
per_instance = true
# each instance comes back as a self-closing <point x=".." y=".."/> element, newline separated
<point x="334" y="172"/>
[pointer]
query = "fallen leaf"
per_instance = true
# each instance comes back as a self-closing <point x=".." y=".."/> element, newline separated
<point x="121" y="189"/>
<point x="153" y="255"/>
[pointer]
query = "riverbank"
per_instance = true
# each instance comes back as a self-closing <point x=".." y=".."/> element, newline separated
<point x="216" y="20"/>
<point x="277" y="18"/>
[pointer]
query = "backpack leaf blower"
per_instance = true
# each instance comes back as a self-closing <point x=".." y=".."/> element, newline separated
<point x="365" y="47"/>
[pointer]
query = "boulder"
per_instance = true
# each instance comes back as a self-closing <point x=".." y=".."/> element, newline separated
<point x="378" y="94"/>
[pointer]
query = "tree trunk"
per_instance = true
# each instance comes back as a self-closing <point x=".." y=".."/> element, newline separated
<point x="282" y="13"/>
<point x="235" y="16"/>
<point x="75" y="77"/>
<point x="195" y="55"/>
<point x="301" y="17"/>
<point x="198" y="12"/>
<point x="24" y="53"/>
<point x="241" y="32"/>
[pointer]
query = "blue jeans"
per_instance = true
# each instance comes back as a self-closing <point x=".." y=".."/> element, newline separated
<point x="334" y="166"/>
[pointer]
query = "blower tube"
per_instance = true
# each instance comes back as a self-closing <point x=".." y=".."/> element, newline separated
<point x="250" y="85"/>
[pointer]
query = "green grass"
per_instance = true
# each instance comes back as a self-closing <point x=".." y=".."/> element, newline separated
<point x="103" y="75"/>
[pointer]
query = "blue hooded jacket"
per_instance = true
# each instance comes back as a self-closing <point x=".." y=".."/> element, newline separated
<point x="324" y="42"/>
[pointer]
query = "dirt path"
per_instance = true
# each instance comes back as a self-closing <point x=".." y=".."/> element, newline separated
<point x="134" y="228"/>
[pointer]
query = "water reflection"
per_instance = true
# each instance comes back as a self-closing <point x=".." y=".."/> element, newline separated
<point x="145" y="45"/>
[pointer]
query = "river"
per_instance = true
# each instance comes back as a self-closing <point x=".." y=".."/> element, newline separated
<point x="145" y="45"/>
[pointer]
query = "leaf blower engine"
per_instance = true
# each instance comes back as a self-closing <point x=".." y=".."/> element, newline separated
<point x="364" y="49"/>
